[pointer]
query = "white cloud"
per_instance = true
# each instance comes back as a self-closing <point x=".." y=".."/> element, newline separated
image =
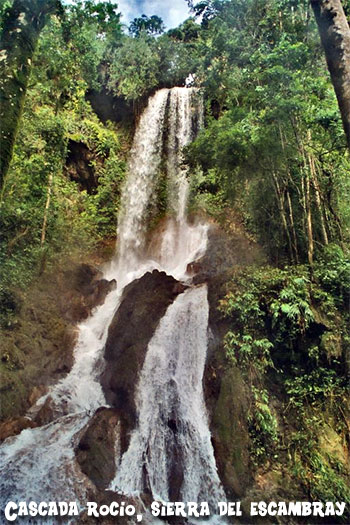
<point x="172" y="13"/>
<point x="129" y="10"/>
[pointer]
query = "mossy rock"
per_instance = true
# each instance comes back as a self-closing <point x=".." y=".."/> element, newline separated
<point x="230" y="432"/>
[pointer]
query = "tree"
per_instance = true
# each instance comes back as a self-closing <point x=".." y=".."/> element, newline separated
<point x="206" y="9"/>
<point x="134" y="70"/>
<point x="151" y="25"/>
<point x="22" y="25"/>
<point x="335" y="36"/>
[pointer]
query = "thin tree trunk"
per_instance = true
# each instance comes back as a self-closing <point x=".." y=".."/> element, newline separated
<point x="318" y="198"/>
<point x="310" y="249"/>
<point x="280" y="202"/>
<point x="314" y="179"/>
<point x="306" y="204"/>
<point x="46" y="211"/>
<point x="290" y="207"/>
<point x="303" y="203"/>
<point x="23" y="24"/>
<point x="335" y="37"/>
<point x="291" y="220"/>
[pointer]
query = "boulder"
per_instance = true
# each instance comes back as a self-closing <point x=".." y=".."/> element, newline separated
<point x="87" y="291"/>
<point x="14" y="426"/>
<point x="36" y="393"/>
<point x="225" y="250"/>
<point x="99" y="446"/>
<point x="144" y="303"/>
<point x="230" y="434"/>
<point x="46" y="413"/>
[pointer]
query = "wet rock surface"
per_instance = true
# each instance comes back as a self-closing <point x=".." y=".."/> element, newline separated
<point x="99" y="446"/>
<point x="225" y="250"/>
<point x="88" y="290"/>
<point x="38" y="350"/>
<point x="79" y="166"/>
<point x="143" y="304"/>
<point x="14" y="426"/>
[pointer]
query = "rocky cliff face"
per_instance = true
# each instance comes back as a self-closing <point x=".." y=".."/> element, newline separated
<point x="228" y="394"/>
<point x="143" y="304"/>
<point x="38" y="350"/>
<point x="227" y="397"/>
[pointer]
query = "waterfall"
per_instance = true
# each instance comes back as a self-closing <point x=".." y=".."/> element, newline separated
<point x="170" y="451"/>
<point x="145" y="158"/>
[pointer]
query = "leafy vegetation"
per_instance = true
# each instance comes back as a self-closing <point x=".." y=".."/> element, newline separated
<point x="288" y="328"/>
<point x="272" y="152"/>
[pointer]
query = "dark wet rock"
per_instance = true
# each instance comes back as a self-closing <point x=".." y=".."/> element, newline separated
<point x="224" y="252"/>
<point x="143" y="304"/>
<point x="109" y="107"/>
<point x="194" y="268"/>
<point x="230" y="436"/>
<point x="14" y="426"/>
<point x="87" y="291"/>
<point x="100" y="444"/>
<point x="177" y="467"/>
<point x="46" y="413"/>
<point x="79" y="166"/>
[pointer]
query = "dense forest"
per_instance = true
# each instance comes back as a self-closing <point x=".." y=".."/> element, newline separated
<point x="270" y="167"/>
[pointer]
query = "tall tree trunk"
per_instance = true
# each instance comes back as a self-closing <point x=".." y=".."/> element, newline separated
<point x="310" y="248"/>
<point x="291" y="221"/>
<point x="335" y="37"/>
<point x="22" y="26"/>
<point x="280" y="203"/>
<point x="316" y="186"/>
<point x="46" y="211"/>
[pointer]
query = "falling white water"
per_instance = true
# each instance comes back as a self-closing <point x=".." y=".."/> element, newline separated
<point x="145" y="158"/>
<point x="39" y="463"/>
<point x="181" y="238"/>
<point x="180" y="135"/>
<point x="172" y="438"/>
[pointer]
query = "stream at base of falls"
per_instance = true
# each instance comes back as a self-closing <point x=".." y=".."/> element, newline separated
<point x="169" y="454"/>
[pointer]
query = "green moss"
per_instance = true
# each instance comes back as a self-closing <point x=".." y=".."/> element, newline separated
<point x="231" y="425"/>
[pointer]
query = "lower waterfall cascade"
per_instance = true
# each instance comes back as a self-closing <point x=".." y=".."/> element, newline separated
<point x="171" y="438"/>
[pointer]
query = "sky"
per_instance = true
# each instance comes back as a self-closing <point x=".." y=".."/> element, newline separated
<point x="172" y="12"/>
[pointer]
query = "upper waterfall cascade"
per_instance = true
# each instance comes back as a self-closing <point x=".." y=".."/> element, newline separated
<point x="171" y="438"/>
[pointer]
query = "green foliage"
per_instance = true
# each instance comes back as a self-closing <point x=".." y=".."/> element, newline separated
<point x="248" y="352"/>
<point x="287" y="335"/>
<point x="152" y="25"/>
<point x="319" y="384"/>
<point x="325" y="483"/>
<point x="273" y="125"/>
<point x="333" y="273"/>
<point x="263" y="428"/>
<point x="189" y="31"/>
<point x="272" y="149"/>
<point x="283" y="308"/>
<point x="268" y="302"/>
<point x="133" y="71"/>
<point x="144" y="63"/>
<point x="56" y="111"/>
